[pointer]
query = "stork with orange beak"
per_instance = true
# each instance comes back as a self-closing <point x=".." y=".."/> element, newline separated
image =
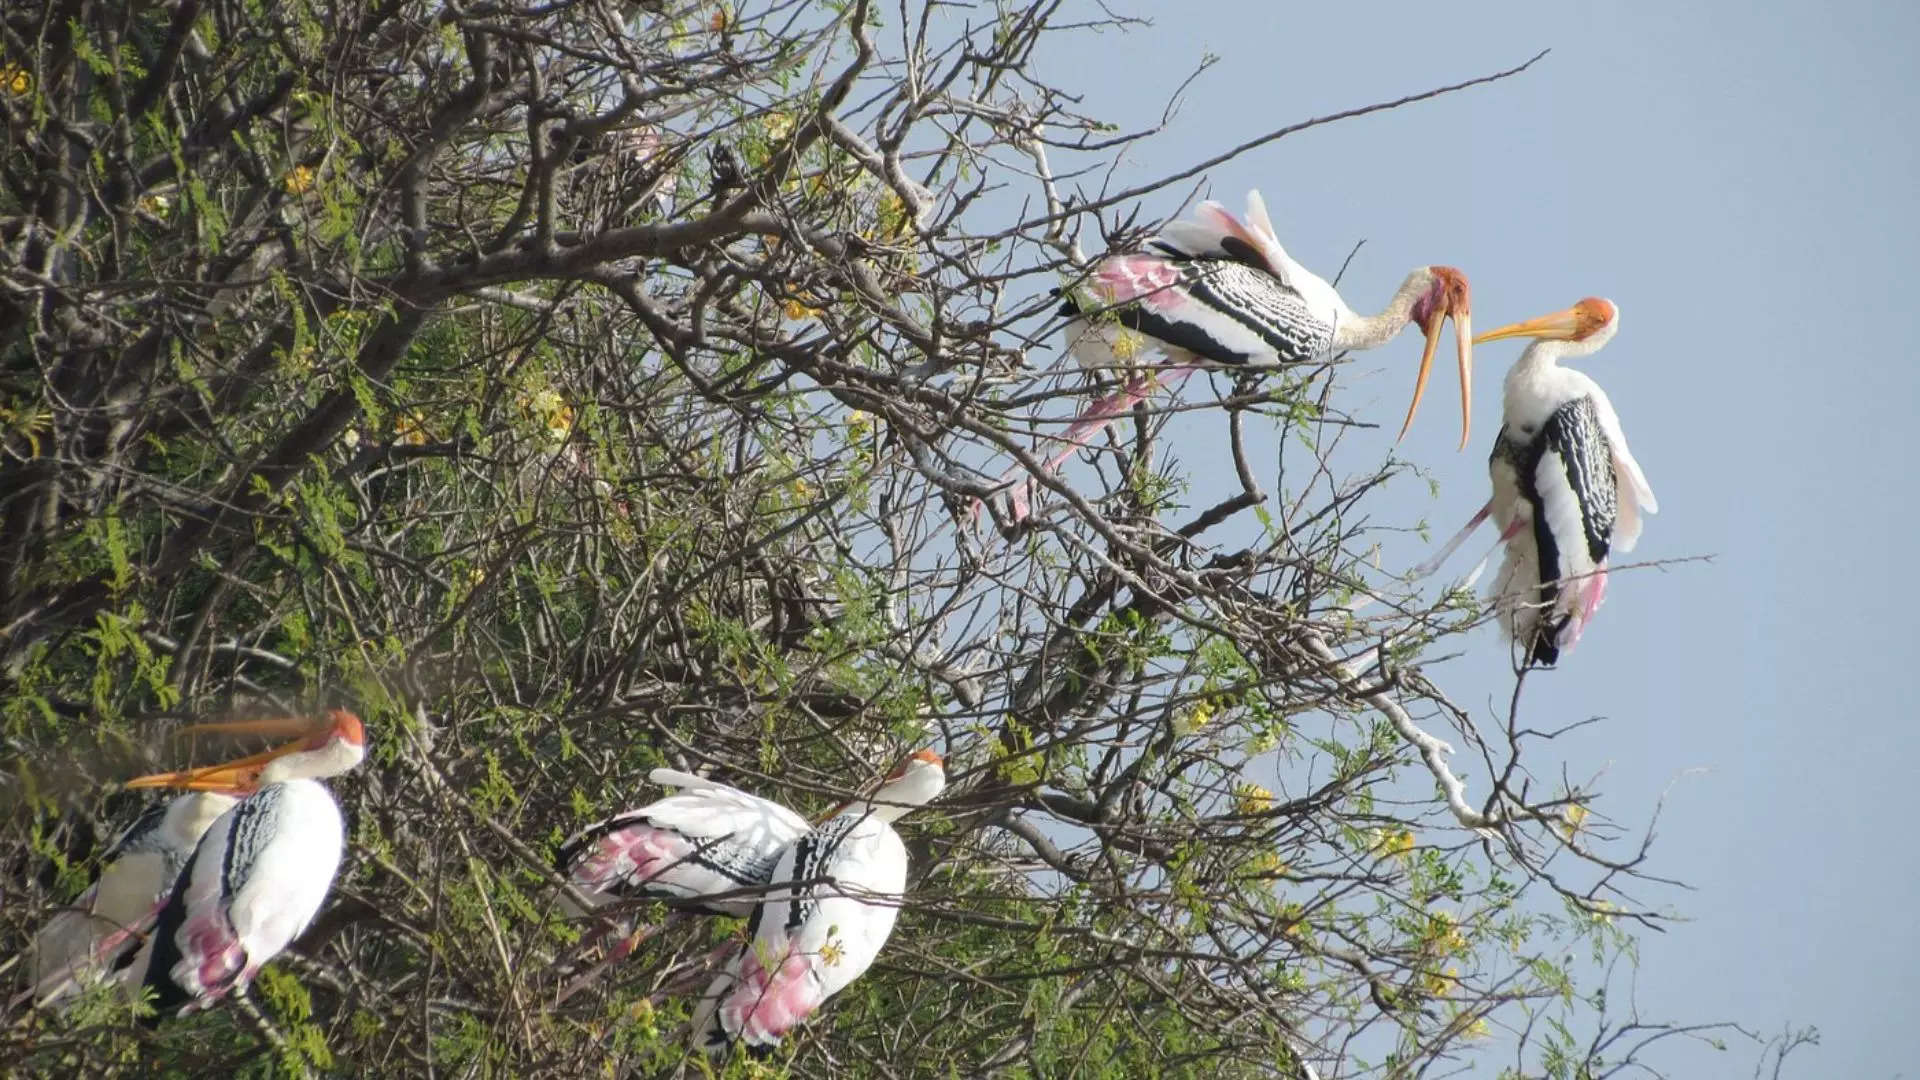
<point x="830" y="908"/>
<point x="1567" y="492"/>
<point x="263" y="869"/>
<point x="1216" y="289"/>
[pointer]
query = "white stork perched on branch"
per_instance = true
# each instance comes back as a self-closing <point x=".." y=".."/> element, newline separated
<point x="1567" y="492"/>
<point x="1215" y="289"/>
<point x="261" y="872"/>
<point x="695" y="846"/>
<point x="837" y="891"/>
<point x="99" y="936"/>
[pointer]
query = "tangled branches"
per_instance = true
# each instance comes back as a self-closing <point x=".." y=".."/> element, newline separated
<point x="581" y="387"/>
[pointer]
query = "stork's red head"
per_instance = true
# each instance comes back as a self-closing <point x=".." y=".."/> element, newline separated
<point x="1447" y="296"/>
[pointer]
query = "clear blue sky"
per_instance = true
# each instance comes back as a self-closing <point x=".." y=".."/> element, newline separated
<point x="1742" y="183"/>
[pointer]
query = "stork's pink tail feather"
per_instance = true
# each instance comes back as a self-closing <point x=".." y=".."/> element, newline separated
<point x="761" y="1009"/>
<point x="1585" y="597"/>
<point x="212" y="959"/>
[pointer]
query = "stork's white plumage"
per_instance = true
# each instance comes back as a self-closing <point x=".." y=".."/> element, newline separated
<point x="99" y="936"/>
<point x="262" y="871"/>
<point x="1567" y="492"/>
<point x="707" y="840"/>
<point x="1215" y="289"/>
<point x="837" y="892"/>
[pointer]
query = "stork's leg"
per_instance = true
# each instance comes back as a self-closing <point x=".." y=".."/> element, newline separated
<point x="620" y="951"/>
<point x="1096" y="418"/>
<point x="1459" y="538"/>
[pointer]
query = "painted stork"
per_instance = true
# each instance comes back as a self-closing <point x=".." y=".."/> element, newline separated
<point x="263" y="869"/>
<point x="707" y="840"/>
<point x="99" y="936"/>
<point x="1215" y="289"/>
<point x="695" y="846"/>
<point x="1567" y="492"/>
<point x="838" y="890"/>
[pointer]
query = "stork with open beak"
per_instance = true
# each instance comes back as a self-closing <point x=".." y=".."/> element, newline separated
<point x="262" y="871"/>
<point x="98" y="937"/>
<point x="1214" y="289"/>
<point x="835" y="896"/>
<point x="1567" y="492"/>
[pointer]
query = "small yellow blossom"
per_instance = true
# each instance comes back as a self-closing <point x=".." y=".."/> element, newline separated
<point x="1437" y="984"/>
<point x="351" y="437"/>
<point x="1193" y="719"/>
<point x="15" y="80"/>
<point x="802" y="488"/>
<point x="1127" y="345"/>
<point x="799" y="312"/>
<point x="408" y="429"/>
<point x="1447" y="938"/>
<point x="476" y="575"/>
<point x="299" y="181"/>
<point x="1393" y="843"/>
<point x="832" y="953"/>
<point x="778" y="126"/>
<point x="1252" y="799"/>
<point x="1576" y="816"/>
<point x="1478" y="1029"/>
<point x="1266" y="864"/>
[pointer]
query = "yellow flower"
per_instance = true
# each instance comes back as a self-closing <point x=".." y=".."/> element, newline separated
<point x="799" y="312"/>
<point x="1252" y="799"/>
<point x="832" y="953"/>
<point x="1127" y="345"/>
<point x="299" y="181"/>
<point x="893" y="215"/>
<point x="1478" y="1029"/>
<point x="778" y="126"/>
<point x="1266" y="864"/>
<point x="1576" y="817"/>
<point x="802" y="488"/>
<point x="1447" y="938"/>
<point x="408" y="429"/>
<point x="1440" y="985"/>
<point x="15" y="80"/>
<point x="1193" y="719"/>
<point x="1393" y="843"/>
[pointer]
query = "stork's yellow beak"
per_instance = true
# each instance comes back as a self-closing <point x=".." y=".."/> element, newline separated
<point x="240" y="776"/>
<point x="1559" y="326"/>
<point x="1572" y="324"/>
<point x="1451" y="299"/>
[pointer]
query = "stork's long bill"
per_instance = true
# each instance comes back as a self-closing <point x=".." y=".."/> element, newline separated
<point x="1450" y="298"/>
<point x="241" y="776"/>
<point x="1573" y="324"/>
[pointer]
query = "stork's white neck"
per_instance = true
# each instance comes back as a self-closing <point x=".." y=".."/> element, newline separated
<point x="1367" y="331"/>
<point x="1547" y="353"/>
<point x="898" y="798"/>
